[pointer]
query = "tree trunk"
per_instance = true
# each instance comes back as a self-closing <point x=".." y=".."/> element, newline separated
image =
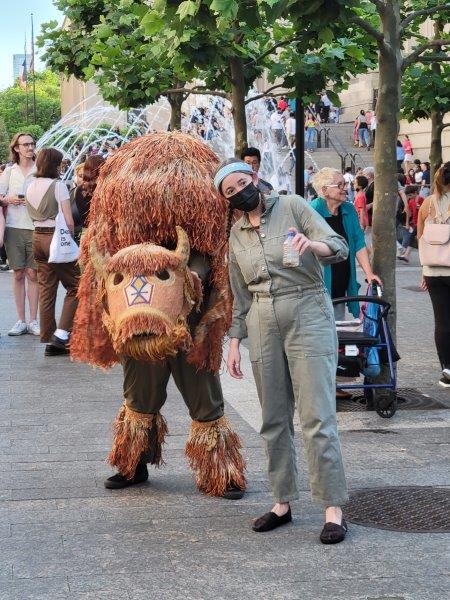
<point x="437" y="126"/>
<point x="238" y="90"/>
<point x="385" y="198"/>
<point x="176" y="102"/>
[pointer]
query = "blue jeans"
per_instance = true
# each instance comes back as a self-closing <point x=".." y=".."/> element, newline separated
<point x="408" y="236"/>
<point x="364" y="137"/>
<point x="310" y="138"/>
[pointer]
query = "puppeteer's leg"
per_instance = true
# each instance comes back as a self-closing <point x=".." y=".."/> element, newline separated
<point x="213" y="449"/>
<point x="139" y="428"/>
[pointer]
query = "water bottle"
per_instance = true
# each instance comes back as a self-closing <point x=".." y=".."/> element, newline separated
<point x="291" y="257"/>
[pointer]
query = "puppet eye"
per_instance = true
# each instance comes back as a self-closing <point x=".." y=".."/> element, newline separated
<point x="163" y="275"/>
<point x="118" y="278"/>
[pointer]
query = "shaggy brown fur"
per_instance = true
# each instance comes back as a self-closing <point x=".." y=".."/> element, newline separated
<point x="136" y="435"/>
<point x="213" y="451"/>
<point x="158" y="347"/>
<point x="148" y="187"/>
<point x="140" y="261"/>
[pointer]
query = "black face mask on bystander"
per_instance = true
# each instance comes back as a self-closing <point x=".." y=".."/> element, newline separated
<point x="247" y="199"/>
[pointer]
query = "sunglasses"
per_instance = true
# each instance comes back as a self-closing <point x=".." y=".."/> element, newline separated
<point x="341" y="186"/>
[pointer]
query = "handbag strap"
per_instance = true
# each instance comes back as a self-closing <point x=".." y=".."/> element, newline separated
<point x="439" y="215"/>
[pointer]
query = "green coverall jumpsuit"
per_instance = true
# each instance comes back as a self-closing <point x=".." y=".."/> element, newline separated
<point x="288" y="317"/>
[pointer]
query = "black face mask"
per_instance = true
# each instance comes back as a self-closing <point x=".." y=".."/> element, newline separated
<point x="247" y="199"/>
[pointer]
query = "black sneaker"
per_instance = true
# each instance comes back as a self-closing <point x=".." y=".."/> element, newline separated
<point x="51" y="350"/>
<point x="58" y="342"/>
<point x="119" y="481"/>
<point x="444" y="382"/>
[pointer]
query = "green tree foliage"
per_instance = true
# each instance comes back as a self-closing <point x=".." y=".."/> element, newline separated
<point x="426" y="93"/>
<point x="4" y="142"/>
<point x="13" y="105"/>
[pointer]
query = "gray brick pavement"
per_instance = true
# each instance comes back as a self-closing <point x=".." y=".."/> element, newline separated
<point x="63" y="536"/>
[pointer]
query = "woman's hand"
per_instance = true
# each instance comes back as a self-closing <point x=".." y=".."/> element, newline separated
<point x="234" y="360"/>
<point x="372" y="277"/>
<point x="300" y="242"/>
<point x="14" y="200"/>
<point x="423" y="284"/>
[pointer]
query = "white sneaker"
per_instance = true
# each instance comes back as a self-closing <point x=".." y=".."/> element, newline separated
<point x="19" y="328"/>
<point x="446" y="373"/>
<point x="33" y="328"/>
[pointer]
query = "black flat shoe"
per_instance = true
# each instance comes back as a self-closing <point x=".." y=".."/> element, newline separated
<point x="233" y="493"/>
<point x="271" y="521"/>
<point x="332" y="533"/>
<point x="119" y="481"/>
<point x="51" y="350"/>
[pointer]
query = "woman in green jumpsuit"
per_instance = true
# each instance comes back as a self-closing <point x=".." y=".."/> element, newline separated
<point x="287" y="315"/>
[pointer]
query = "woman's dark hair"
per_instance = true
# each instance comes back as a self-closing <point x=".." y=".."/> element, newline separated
<point x="399" y="143"/>
<point x="361" y="182"/>
<point x="91" y="172"/>
<point x="401" y="178"/>
<point x="411" y="189"/>
<point x="409" y="171"/>
<point x="442" y="178"/>
<point x="362" y="112"/>
<point x="48" y="162"/>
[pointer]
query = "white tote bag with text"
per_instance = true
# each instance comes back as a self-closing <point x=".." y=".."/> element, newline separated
<point x="63" y="248"/>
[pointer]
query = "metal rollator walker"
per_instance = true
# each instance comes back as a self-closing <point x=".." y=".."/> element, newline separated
<point x="365" y="345"/>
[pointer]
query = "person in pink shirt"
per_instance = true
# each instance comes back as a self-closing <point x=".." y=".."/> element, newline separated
<point x="409" y="152"/>
<point x="360" y="203"/>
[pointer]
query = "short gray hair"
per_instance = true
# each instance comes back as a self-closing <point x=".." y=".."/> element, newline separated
<point x="369" y="172"/>
<point x="323" y="178"/>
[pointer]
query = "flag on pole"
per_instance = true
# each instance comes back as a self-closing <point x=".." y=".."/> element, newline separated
<point x="23" y="74"/>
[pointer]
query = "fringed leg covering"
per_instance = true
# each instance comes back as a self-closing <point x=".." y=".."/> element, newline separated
<point x="137" y="436"/>
<point x="213" y="451"/>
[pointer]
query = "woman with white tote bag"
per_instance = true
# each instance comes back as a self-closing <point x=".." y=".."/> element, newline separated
<point x="48" y="204"/>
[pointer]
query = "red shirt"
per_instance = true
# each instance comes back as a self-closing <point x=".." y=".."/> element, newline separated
<point x="414" y="204"/>
<point x="282" y="104"/>
<point x="361" y="206"/>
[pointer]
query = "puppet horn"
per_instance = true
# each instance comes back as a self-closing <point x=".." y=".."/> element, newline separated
<point x="182" y="250"/>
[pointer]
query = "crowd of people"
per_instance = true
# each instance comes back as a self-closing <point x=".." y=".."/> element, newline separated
<point x="284" y="309"/>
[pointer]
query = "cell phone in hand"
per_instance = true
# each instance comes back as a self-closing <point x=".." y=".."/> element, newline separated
<point x="21" y="196"/>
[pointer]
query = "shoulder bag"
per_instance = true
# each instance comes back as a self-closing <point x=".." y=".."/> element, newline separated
<point x="434" y="245"/>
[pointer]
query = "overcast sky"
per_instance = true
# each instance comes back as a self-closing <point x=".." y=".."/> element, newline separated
<point x="15" y="23"/>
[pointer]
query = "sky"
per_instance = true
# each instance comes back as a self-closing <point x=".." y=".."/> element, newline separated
<point x="15" y="22"/>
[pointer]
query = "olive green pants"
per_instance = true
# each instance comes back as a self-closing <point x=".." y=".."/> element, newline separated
<point x="145" y="387"/>
<point x="293" y="349"/>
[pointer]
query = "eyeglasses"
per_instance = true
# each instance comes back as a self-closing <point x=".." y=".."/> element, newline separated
<point x="28" y="145"/>
<point x="341" y="186"/>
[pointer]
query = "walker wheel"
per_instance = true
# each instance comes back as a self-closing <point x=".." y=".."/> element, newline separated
<point x="386" y="404"/>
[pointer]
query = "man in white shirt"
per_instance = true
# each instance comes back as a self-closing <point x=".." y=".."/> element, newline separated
<point x="19" y="231"/>
<point x="349" y="180"/>
<point x="290" y="129"/>
<point x="327" y="104"/>
<point x="276" y="125"/>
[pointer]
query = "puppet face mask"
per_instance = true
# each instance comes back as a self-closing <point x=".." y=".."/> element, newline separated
<point x="147" y="291"/>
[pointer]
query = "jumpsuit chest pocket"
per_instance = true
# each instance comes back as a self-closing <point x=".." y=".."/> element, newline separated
<point x="247" y="259"/>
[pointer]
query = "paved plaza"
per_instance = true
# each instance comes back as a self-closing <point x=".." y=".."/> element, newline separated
<point x="64" y="536"/>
